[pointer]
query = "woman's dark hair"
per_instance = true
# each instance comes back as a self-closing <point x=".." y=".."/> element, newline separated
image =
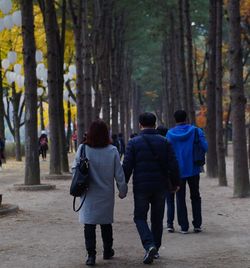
<point x="98" y="135"/>
<point x="147" y="119"/>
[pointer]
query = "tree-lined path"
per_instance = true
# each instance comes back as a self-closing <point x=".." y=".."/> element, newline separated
<point x="46" y="233"/>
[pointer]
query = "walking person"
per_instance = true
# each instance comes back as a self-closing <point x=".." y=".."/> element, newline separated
<point x="149" y="181"/>
<point x="74" y="139"/>
<point x="43" y="145"/>
<point x="115" y="142"/>
<point x="98" y="208"/>
<point x="121" y="144"/>
<point x="182" y="139"/>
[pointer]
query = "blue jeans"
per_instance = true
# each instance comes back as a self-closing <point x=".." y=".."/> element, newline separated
<point x="193" y="183"/>
<point x="170" y="200"/>
<point x="142" y="201"/>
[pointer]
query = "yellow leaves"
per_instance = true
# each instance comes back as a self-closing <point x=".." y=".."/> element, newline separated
<point x="152" y="94"/>
<point x="245" y="9"/>
<point x="201" y="119"/>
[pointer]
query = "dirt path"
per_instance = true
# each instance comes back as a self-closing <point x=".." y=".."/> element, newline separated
<point x="46" y="233"/>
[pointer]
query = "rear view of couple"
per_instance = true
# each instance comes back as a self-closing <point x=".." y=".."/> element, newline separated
<point x="149" y="157"/>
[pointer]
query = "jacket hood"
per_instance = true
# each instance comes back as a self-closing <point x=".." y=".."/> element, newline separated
<point x="181" y="132"/>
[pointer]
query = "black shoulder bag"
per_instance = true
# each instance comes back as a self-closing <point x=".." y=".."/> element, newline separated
<point x="198" y="151"/>
<point x="80" y="179"/>
<point x="167" y="182"/>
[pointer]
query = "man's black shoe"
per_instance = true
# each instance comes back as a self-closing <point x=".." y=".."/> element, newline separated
<point x="108" y="254"/>
<point x="149" y="257"/>
<point x="91" y="260"/>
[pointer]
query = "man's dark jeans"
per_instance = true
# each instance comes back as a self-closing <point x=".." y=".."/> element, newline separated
<point x="142" y="202"/>
<point x="182" y="214"/>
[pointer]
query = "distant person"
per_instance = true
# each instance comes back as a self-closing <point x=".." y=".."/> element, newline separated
<point x="98" y="208"/>
<point x="144" y="157"/>
<point x="43" y="145"/>
<point x="182" y="138"/>
<point x="74" y="139"/>
<point x="115" y="142"/>
<point x="162" y="130"/>
<point x="121" y="144"/>
<point x="133" y="135"/>
<point x="2" y="147"/>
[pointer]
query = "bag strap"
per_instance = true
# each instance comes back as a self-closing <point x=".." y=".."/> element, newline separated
<point x="83" y="152"/>
<point x="74" y="203"/>
<point x="196" y="136"/>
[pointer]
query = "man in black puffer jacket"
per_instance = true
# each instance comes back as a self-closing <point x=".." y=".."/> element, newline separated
<point x="152" y="161"/>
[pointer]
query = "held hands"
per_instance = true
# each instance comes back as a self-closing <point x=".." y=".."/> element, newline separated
<point x="177" y="189"/>
<point x="121" y="195"/>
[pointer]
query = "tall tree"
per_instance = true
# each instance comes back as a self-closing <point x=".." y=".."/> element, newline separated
<point x="48" y="9"/>
<point x="105" y="47"/>
<point x="77" y="10"/>
<point x="61" y="45"/>
<point x="212" y="166"/>
<point x="182" y="60"/>
<point x="2" y="129"/>
<point x="241" y="175"/>
<point x="32" y="169"/>
<point x="219" y="108"/>
<point x="189" y="42"/>
<point x="87" y="64"/>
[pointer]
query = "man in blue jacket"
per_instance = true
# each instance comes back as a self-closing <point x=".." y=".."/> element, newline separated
<point x="182" y="139"/>
<point x="145" y="157"/>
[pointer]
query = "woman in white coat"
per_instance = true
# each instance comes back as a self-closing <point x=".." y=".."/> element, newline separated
<point x="98" y="208"/>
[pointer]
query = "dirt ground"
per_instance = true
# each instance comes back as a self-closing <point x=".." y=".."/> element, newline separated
<point x="46" y="233"/>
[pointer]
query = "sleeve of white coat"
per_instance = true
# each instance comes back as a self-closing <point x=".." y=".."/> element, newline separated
<point x="119" y="175"/>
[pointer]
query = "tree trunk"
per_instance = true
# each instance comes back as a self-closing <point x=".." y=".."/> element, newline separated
<point x="69" y="130"/>
<point x="182" y="61"/>
<point x="77" y="28"/>
<point x="86" y="66"/>
<point x="115" y="92"/>
<point x="219" y="108"/>
<point x="212" y="167"/>
<point x="53" y="86"/>
<point x="41" y="113"/>
<point x="32" y="169"/>
<point x="188" y="33"/>
<point x="16" y="122"/>
<point x="61" y="45"/>
<point x="241" y="176"/>
<point x="175" y="80"/>
<point x="2" y="128"/>
<point x="105" y="57"/>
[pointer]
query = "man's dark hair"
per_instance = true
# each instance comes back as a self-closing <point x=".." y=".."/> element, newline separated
<point x="180" y="116"/>
<point x="147" y="119"/>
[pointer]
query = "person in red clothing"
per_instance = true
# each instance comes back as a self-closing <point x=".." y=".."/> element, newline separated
<point x="43" y="145"/>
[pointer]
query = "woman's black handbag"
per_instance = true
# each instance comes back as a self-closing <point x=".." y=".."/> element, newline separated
<point x="198" y="151"/>
<point x="80" y="180"/>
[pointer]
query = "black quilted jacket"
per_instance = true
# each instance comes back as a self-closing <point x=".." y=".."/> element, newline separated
<point x="150" y="169"/>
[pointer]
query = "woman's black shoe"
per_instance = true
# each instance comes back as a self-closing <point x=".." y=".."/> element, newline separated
<point x="108" y="254"/>
<point x="90" y="261"/>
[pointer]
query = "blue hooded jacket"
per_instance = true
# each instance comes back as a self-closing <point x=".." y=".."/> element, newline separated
<point x="182" y="138"/>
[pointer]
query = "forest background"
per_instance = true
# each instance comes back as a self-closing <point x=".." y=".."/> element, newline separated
<point x="114" y="59"/>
